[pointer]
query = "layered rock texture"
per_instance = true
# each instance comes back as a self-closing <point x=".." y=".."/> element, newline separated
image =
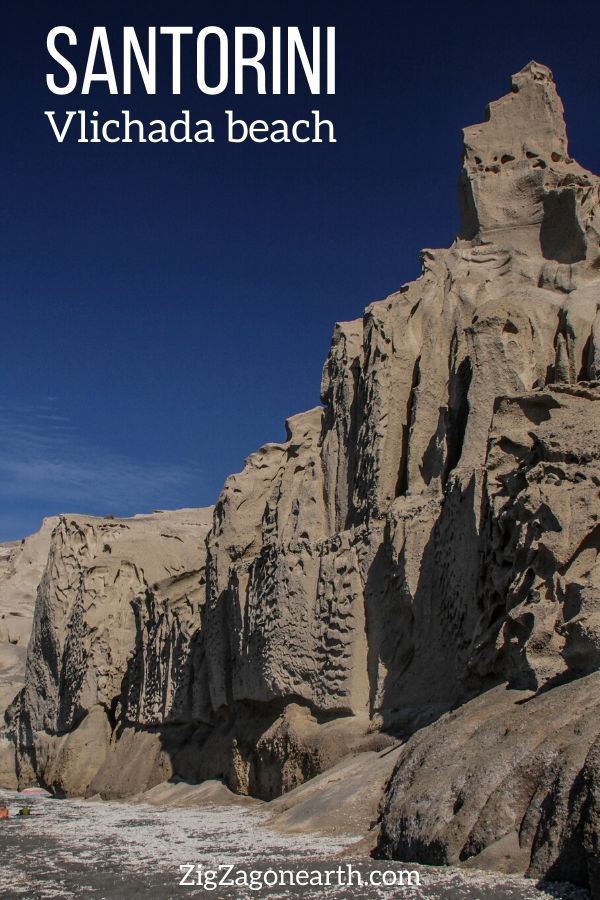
<point x="114" y="648"/>
<point x="421" y="549"/>
<point x="21" y="567"/>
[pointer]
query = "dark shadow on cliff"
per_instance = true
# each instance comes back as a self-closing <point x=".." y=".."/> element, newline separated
<point x="420" y="642"/>
<point x="578" y="859"/>
<point x="561" y="236"/>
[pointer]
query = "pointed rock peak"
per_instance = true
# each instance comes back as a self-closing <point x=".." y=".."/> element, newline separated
<point x="526" y="125"/>
<point x="532" y="71"/>
<point x="515" y="159"/>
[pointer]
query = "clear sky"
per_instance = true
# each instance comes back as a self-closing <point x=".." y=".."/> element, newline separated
<point x="166" y="307"/>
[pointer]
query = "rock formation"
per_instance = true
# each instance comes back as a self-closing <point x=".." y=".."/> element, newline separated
<point x="114" y="642"/>
<point x="421" y="549"/>
<point x="21" y="567"/>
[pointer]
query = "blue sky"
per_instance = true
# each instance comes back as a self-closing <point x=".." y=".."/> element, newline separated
<point x="165" y="308"/>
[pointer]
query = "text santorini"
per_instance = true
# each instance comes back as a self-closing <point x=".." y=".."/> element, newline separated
<point x="245" y="58"/>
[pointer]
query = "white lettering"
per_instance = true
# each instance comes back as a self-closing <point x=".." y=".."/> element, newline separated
<point x="67" y="66"/>
<point x="99" y="42"/>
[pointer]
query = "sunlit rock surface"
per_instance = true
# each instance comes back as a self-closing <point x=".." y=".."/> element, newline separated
<point x="420" y="549"/>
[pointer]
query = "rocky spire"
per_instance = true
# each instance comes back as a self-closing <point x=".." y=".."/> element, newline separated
<point x="518" y="184"/>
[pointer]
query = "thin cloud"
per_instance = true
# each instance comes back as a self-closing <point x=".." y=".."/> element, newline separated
<point x="44" y="460"/>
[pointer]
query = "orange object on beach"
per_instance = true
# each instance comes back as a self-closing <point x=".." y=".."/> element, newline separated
<point x="3" y="812"/>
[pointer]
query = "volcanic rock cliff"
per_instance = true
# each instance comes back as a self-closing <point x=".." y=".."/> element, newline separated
<point x="21" y="567"/>
<point x="423" y="548"/>
<point x="113" y="643"/>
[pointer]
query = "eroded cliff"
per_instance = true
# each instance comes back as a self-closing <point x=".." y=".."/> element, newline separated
<point x="426" y="540"/>
<point x="114" y="646"/>
<point x="21" y="566"/>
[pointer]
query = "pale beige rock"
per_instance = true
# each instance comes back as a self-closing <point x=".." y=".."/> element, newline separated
<point x="345" y="799"/>
<point x="115" y="631"/>
<point x="492" y="785"/>
<point x="209" y="793"/>
<point x="429" y="534"/>
<point x="543" y="536"/>
<point x="69" y="762"/>
<point x="21" y="567"/>
<point x="509" y="310"/>
<point x="135" y="761"/>
<point x="8" y="764"/>
<point x="520" y="187"/>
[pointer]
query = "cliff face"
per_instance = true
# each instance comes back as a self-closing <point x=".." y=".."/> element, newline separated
<point x="114" y="642"/>
<point x="425" y="540"/>
<point x="377" y="537"/>
<point x="21" y="567"/>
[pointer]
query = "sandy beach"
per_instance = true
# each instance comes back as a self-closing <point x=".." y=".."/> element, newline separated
<point x="79" y="848"/>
